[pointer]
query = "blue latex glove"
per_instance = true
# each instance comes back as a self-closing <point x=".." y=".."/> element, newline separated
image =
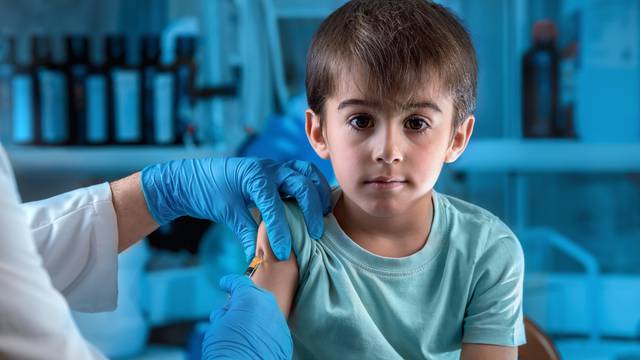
<point x="250" y="326"/>
<point x="220" y="189"/>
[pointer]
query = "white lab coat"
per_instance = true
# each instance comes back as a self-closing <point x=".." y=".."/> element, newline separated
<point x="55" y="254"/>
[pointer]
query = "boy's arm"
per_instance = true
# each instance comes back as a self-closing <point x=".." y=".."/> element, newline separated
<point x="488" y="352"/>
<point x="493" y="316"/>
<point x="279" y="277"/>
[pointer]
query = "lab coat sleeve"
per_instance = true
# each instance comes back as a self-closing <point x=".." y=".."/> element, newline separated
<point x="76" y="235"/>
<point x="35" y="321"/>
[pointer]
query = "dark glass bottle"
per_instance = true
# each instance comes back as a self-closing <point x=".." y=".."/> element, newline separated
<point x="185" y="72"/>
<point x="124" y="93"/>
<point x="77" y="73"/>
<point x="24" y="129"/>
<point x="568" y="71"/>
<point x="164" y="88"/>
<point x="97" y="109"/>
<point x="7" y="61"/>
<point x="540" y="82"/>
<point x="157" y="98"/>
<point x="51" y="92"/>
<point x="150" y="56"/>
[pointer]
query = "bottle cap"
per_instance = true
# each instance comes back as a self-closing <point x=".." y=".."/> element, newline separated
<point x="7" y="49"/>
<point x="41" y="51"/>
<point x="150" y="48"/>
<point x="186" y="47"/>
<point x="116" y="45"/>
<point x="77" y="48"/>
<point x="544" y="31"/>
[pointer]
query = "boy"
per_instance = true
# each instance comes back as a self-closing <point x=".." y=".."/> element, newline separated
<point x="402" y="271"/>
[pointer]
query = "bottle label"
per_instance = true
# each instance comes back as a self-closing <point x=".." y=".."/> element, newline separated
<point x="163" y="109"/>
<point x="127" y="105"/>
<point x="96" y="109"/>
<point x="22" y="91"/>
<point x="53" y="104"/>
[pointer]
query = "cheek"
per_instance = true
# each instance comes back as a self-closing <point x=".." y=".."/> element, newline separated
<point x="346" y="157"/>
<point x="342" y="145"/>
<point x="343" y="157"/>
<point x="427" y="158"/>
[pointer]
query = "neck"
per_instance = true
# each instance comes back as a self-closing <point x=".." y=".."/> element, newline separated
<point x="399" y="235"/>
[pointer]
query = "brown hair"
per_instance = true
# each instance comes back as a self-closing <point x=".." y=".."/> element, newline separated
<point x="397" y="45"/>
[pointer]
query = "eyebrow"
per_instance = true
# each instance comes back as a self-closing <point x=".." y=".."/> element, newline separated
<point x="423" y="104"/>
<point x="417" y="105"/>
<point x="357" y="102"/>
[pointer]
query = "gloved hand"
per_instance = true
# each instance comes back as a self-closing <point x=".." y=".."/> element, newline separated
<point x="220" y="189"/>
<point x="250" y="326"/>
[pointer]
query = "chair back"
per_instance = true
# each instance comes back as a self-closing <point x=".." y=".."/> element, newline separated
<point x="538" y="346"/>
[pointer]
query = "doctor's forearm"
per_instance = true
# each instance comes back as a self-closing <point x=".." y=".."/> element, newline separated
<point x="134" y="220"/>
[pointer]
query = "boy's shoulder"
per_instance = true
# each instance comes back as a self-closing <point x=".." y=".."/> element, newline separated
<point x="469" y="225"/>
<point x="464" y="208"/>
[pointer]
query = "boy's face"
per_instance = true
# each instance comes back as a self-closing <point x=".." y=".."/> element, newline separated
<point x="387" y="159"/>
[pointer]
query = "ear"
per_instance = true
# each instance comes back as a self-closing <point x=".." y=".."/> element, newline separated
<point x="315" y="134"/>
<point x="460" y="140"/>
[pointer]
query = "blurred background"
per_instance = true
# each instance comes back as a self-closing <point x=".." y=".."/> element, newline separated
<point x="94" y="90"/>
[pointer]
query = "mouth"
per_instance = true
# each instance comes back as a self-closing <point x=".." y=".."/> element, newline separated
<point x="386" y="182"/>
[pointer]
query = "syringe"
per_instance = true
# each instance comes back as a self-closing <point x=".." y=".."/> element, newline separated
<point x="253" y="266"/>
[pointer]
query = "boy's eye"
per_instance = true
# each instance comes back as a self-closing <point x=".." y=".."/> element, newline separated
<point x="416" y="124"/>
<point x="361" y="122"/>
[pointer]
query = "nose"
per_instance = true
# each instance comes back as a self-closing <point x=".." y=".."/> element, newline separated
<point x="388" y="147"/>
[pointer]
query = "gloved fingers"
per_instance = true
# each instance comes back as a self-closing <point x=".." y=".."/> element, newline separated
<point x="217" y="315"/>
<point x="265" y="196"/>
<point x="232" y="283"/>
<point x="312" y="172"/>
<point x="246" y="229"/>
<point x="250" y="325"/>
<point x="300" y="187"/>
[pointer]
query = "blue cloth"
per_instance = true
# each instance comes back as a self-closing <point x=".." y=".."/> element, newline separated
<point x="250" y="326"/>
<point x="283" y="137"/>
<point x="220" y="189"/>
<point x="463" y="286"/>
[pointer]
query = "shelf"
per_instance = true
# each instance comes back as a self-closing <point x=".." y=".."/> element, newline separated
<point x="481" y="156"/>
<point x="107" y="160"/>
<point x="553" y="155"/>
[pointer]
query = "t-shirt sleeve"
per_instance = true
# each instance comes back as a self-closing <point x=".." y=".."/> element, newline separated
<point x="302" y="243"/>
<point x="494" y="312"/>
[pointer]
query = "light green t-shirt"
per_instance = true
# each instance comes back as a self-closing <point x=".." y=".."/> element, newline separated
<point x="464" y="285"/>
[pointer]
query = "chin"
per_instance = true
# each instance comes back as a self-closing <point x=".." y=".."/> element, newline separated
<point x="383" y="208"/>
